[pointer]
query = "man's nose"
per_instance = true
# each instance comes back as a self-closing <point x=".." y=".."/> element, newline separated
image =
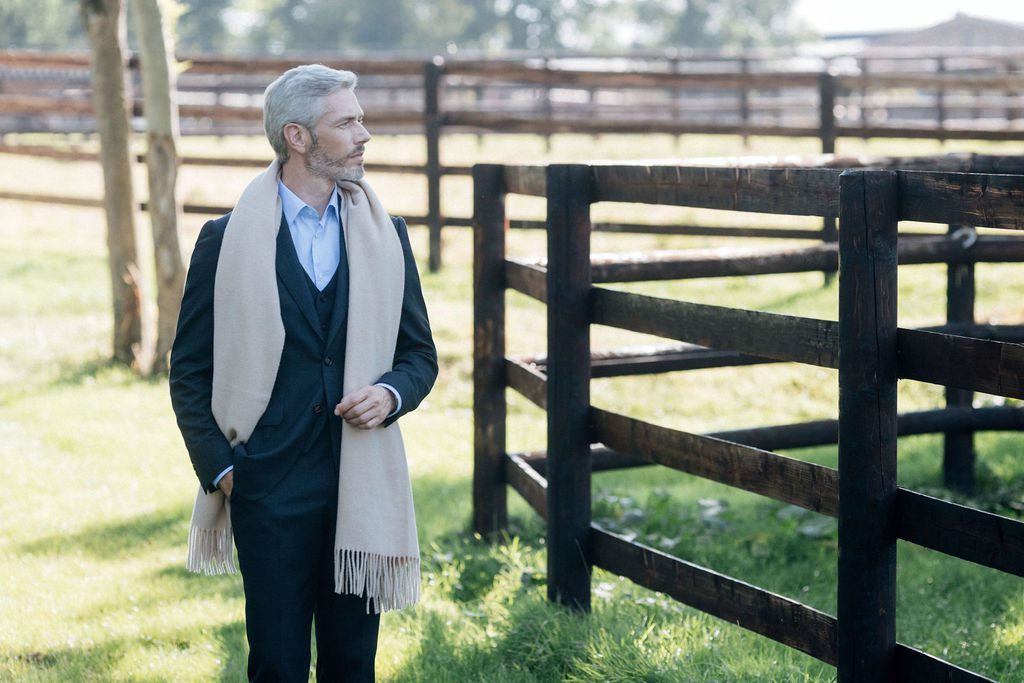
<point x="363" y="134"/>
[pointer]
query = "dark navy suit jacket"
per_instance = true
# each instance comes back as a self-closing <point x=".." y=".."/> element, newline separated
<point x="309" y="379"/>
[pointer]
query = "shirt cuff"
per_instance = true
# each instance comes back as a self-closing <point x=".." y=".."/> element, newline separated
<point x="216" y="482"/>
<point x="398" y="398"/>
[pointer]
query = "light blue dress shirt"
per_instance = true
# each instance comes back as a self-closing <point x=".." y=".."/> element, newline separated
<point x="317" y="239"/>
<point x="318" y="245"/>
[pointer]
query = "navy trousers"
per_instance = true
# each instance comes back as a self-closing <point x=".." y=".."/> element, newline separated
<point x="285" y="543"/>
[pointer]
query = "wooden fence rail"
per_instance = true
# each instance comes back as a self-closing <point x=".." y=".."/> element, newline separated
<point x="866" y="346"/>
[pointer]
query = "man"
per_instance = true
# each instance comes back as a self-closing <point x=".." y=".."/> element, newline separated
<point x="303" y="337"/>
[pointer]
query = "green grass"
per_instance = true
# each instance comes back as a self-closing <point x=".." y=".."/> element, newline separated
<point x="97" y="489"/>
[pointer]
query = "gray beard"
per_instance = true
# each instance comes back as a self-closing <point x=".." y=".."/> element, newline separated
<point x="319" y="164"/>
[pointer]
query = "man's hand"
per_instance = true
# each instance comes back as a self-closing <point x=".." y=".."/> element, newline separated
<point x="227" y="482"/>
<point x="366" y="408"/>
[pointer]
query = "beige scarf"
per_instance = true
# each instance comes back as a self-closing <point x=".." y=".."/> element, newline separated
<point x="376" y="549"/>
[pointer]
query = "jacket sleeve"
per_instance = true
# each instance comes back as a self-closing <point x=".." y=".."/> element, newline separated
<point x="191" y="374"/>
<point x="415" y="365"/>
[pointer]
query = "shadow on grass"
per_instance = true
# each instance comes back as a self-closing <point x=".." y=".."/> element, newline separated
<point x="73" y="374"/>
<point x="98" y="662"/>
<point x="199" y="586"/>
<point x="232" y="641"/>
<point x="160" y="529"/>
<point x="79" y="373"/>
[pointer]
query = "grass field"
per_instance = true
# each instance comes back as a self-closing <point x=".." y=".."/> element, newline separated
<point x="97" y="489"/>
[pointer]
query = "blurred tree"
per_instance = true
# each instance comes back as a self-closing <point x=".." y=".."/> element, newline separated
<point x="201" y="27"/>
<point x="277" y="26"/>
<point x="104" y="23"/>
<point x="40" y="24"/>
<point x="156" y="50"/>
<point x="716" y="23"/>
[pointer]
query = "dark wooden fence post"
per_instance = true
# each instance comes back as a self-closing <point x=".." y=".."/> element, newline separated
<point x="744" y="93"/>
<point x="865" y="113"/>
<point x="569" y="191"/>
<point x="827" y="109"/>
<point x="490" y="509"/>
<point x="958" y="447"/>
<point x="827" y="93"/>
<point x="432" y="130"/>
<point x="866" y="628"/>
<point x="940" y="98"/>
<point x="547" y="106"/>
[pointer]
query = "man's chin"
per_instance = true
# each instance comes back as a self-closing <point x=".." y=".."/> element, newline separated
<point x="350" y="174"/>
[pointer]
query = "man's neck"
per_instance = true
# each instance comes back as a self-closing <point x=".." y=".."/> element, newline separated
<point x="314" y="190"/>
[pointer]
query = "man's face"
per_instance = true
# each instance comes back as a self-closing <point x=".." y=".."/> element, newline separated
<point x="341" y="139"/>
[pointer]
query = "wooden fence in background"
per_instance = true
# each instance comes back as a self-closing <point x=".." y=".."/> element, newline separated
<point x="950" y="95"/>
<point x="866" y="346"/>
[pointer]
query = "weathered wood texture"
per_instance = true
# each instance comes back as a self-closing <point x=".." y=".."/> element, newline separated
<point x="769" y="335"/>
<point x="867" y="426"/>
<point x="569" y="189"/>
<point x="984" y="201"/>
<point x="799" y="192"/>
<point x="992" y="367"/>
<point x="490" y="510"/>
<point x="981" y="537"/>
<point x="809" y="486"/>
<point x="779" y="618"/>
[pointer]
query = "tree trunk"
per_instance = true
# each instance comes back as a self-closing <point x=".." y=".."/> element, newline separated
<point x="105" y="26"/>
<point x="158" y="90"/>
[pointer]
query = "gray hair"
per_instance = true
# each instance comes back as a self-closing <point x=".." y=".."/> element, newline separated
<point x="298" y="96"/>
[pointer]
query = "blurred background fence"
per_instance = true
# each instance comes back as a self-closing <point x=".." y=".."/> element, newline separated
<point x="975" y="94"/>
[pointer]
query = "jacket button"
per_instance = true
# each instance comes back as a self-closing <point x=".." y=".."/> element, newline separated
<point x="318" y="409"/>
<point x="328" y="362"/>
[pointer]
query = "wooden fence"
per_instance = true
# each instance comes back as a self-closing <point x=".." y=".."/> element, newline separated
<point x="866" y="345"/>
<point x="948" y="95"/>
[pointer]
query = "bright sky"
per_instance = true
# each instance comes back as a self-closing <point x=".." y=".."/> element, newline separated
<point x="848" y="16"/>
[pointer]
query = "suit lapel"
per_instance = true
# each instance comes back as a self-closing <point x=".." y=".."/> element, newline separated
<point x="339" y="316"/>
<point x="290" y="273"/>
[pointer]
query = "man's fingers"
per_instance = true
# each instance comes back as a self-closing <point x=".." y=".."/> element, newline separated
<point x="364" y="408"/>
<point x="350" y="401"/>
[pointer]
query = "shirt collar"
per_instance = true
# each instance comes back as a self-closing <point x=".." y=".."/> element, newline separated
<point x="291" y="204"/>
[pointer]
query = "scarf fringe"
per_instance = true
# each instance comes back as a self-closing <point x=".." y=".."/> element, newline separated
<point x="210" y="552"/>
<point x="389" y="582"/>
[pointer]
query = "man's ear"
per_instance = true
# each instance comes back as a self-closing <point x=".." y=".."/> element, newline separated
<point x="297" y="137"/>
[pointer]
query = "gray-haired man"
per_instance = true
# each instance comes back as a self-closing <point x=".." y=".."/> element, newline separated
<point x="303" y="337"/>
